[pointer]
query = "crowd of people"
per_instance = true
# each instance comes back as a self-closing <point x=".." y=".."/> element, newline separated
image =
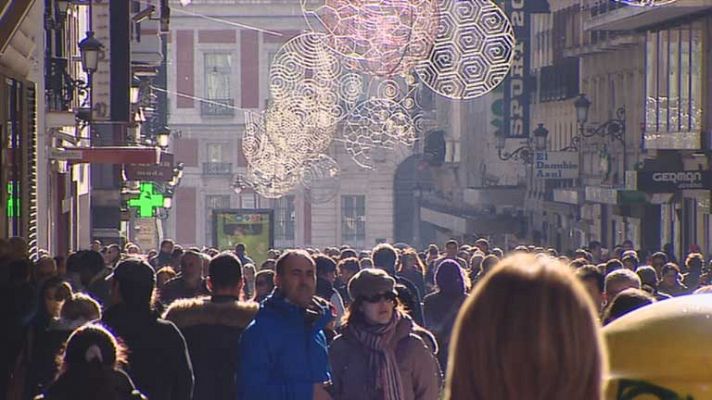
<point x="392" y="323"/>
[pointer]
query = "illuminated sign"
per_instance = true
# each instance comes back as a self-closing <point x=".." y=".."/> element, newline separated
<point x="13" y="200"/>
<point x="147" y="200"/>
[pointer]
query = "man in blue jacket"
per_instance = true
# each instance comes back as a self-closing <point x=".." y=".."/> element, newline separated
<point x="284" y="350"/>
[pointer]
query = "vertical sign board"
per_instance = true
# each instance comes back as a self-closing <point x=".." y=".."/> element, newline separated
<point x="518" y="84"/>
<point x="253" y="227"/>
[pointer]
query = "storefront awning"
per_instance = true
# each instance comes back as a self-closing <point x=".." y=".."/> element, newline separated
<point x="108" y="155"/>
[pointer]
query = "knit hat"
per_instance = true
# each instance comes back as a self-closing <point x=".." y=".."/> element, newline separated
<point x="370" y="282"/>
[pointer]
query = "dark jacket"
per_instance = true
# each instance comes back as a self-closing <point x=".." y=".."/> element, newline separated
<point x="113" y="384"/>
<point x="158" y="358"/>
<point x="283" y="352"/>
<point x="161" y="260"/>
<point x="212" y="328"/>
<point x="408" y="295"/>
<point x="99" y="288"/>
<point x="416" y="278"/>
<point x="353" y="378"/>
<point x="440" y="311"/>
<point x="47" y="344"/>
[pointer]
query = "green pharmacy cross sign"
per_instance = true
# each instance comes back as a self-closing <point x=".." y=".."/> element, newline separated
<point x="13" y="201"/>
<point x="147" y="200"/>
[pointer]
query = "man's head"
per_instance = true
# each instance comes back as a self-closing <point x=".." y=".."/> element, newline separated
<point x="451" y="248"/>
<point x="191" y="266"/>
<point x="620" y="280"/>
<point x="595" y="248"/>
<point x="488" y="263"/>
<point x="630" y="261"/>
<point x="240" y="249"/>
<point x="325" y="268"/>
<point x="670" y="274"/>
<point x="483" y="245"/>
<point x="296" y="277"/>
<point x="648" y="276"/>
<point x="694" y="263"/>
<point x="167" y="246"/>
<point x="594" y="282"/>
<point x="613" y="265"/>
<point x="628" y="245"/>
<point x="96" y="245"/>
<point x="347" y="268"/>
<point x="225" y="275"/>
<point x="133" y="283"/>
<point x="384" y="256"/>
<point x="658" y="260"/>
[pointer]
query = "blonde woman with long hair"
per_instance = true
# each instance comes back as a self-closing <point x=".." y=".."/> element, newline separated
<point x="528" y="331"/>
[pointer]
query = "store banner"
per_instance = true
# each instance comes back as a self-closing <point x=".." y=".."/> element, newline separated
<point x="673" y="181"/>
<point x="556" y="165"/>
<point x="253" y="227"/>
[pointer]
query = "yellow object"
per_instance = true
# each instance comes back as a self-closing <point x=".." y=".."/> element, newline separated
<point x="662" y="351"/>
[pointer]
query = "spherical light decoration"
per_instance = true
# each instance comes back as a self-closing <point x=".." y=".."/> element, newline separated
<point x="378" y="37"/>
<point x="376" y="124"/>
<point x="320" y="179"/>
<point x="473" y="50"/>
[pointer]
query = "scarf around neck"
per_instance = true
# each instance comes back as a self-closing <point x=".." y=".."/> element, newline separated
<point x="381" y="355"/>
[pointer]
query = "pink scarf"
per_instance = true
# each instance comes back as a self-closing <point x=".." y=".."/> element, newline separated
<point x="381" y="356"/>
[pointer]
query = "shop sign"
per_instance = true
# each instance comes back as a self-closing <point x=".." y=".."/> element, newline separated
<point x="673" y="181"/>
<point x="556" y="165"/>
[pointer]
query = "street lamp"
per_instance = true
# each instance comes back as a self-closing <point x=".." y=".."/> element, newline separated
<point x="61" y="7"/>
<point x="162" y="137"/>
<point x="135" y="90"/>
<point x="613" y="128"/>
<point x="89" y="49"/>
<point x="524" y="153"/>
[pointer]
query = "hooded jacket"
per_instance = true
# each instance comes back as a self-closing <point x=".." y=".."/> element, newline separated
<point x="283" y="352"/>
<point x="159" y="364"/>
<point x="212" y="327"/>
<point x="353" y="378"/>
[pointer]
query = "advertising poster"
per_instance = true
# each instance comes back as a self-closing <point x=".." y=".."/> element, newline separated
<point x="254" y="228"/>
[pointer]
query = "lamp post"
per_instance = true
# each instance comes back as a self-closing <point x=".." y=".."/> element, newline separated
<point x="613" y="128"/>
<point x="524" y="153"/>
<point x="162" y="138"/>
<point x="89" y="49"/>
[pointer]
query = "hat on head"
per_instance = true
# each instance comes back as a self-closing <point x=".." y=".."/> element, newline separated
<point x="370" y="282"/>
<point x="134" y="271"/>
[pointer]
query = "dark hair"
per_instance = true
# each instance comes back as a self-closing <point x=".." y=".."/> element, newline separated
<point x="324" y="264"/>
<point x="632" y="259"/>
<point x="267" y="274"/>
<point x="167" y="241"/>
<point x="433" y="249"/>
<point x="696" y="260"/>
<point x="612" y="265"/>
<point x="625" y="302"/>
<point x="135" y="294"/>
<point x="284" y="259"/>
<point x="240" y="247"/>
<point x="451" y="278"/>
<point x="659" y="254"/>
<point x="590" y="272"/>
<point x="350" y="264"/>
<point x="669" y="267"/>
<point x="385" y="256"/>
<point x="489" y="262"/>
<point x="594" y="244"/>
<point x="348" y="253"/>
<point x="268" y="265"/>
<point x="225" y="271"/>
<point x="452" y="242"/>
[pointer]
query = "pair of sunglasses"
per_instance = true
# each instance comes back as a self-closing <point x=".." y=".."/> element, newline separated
<point x="389" y="296"/>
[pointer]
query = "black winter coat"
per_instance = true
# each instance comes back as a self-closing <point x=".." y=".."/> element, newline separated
<point x="158" y="358"/>
<point x="96" y="383"/>
<point x="212" y="328"/>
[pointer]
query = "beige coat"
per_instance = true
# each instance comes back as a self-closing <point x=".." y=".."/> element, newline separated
<point x="419" y="369"/>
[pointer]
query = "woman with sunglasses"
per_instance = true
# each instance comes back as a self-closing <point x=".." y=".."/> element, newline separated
<point x="380" y="354"/>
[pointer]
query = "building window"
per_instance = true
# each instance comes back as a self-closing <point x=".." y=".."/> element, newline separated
<point x="284" y="218"/>
<point x="218" y="93"/>
<point x="673" y="94"/>
<point x="218" y="71"/>
<point x="353" y="220"/>
<point x="213" y="202"/>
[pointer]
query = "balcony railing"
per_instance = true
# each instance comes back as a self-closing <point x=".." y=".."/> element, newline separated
<point x="218" y="107"/>
<point x="217" y="168"/>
